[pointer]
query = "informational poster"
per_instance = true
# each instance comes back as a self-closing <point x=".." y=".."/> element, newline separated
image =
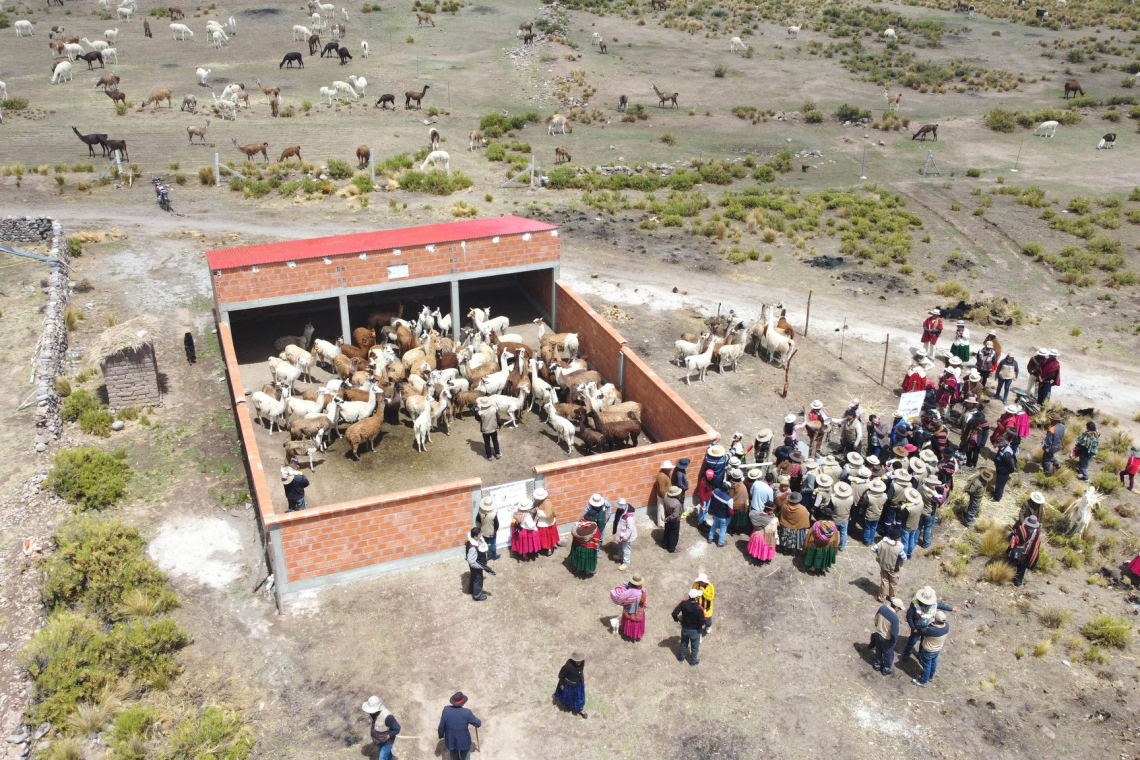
<point x="910" y="405"/>
<point x="507" y="498"/>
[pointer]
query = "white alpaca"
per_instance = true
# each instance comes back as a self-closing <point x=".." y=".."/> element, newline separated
<point x="231" y="91"/>
<point x="203" y="75"/>
<point x="99" y="45"/>
<point x="700" y="362"/>
<point x="729" y="355"/>
<point x="483" y="322"/>
<point x="346" y="88"/>
<point x="265" y="406"/>
<point x="890" y="35"/>
<point x="422" y="427"/>
<point x="563" y="428"/>
<point x="177" y="29"/>
<point x="1047" y="128"/>
<point x="736" y="44"/>
<point x="441" y="321"/>
<point x="326" y="7"/>
<point x="301" y="33"/>
<point x="24" y="28"/>
<point x="72" y="50"/>
<point x="364" y="49"/>
<point x="125" y="14"/>
<point x="686" y="348"/>
<point x="232" y="23"/>
<point x="111" y="35"/>
<point x="328" y="92"/>
<point x="217" y="37"/>
<point x="437" y="157"/>
<point x="778" y="345"/>
<point x="62" y="69"/>
<point x="596" y="39"/>
<point x="558" y="122"/>
<point x="540" y="390"/>
<point x="284" y="373"/>
<point x="892" y="100"/>
<point x="1079" y="513"/>
<point x="344" y="14"/>
<point x="793" y="31"/>
<point x="110" y="55"/>
<point x="358" y="83"/>
<point x="3" y="91"/>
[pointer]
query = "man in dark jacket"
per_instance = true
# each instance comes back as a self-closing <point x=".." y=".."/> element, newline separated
<point x="385" y="727"/>
<point x="453" y="727"/>
<point x="1005" y="464"/>
<point x="489" y="426"/>
<point x="933" y="638"/>
<point x="691" y="616"/>
<point x="919" y="614"/>
<point x="681" y="477"/>
<point x="476" y="555"/>
<point x="295" y="484"/>
<point x="885" y="636"/>
<point x="720" y="507"/>
<point x="1054" y="439"/>
<point x="672" y="507"/>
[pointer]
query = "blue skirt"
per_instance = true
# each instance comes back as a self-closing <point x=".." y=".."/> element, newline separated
<point x="572" y="697"/>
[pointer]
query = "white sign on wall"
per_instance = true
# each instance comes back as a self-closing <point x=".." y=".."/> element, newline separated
<point x="910" y="405"/>
<point x="507" y="498"/>
<point x="397" y="271"/>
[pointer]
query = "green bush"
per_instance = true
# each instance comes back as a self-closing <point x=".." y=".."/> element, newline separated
<point x="4" y="22"/>
<point x="1084" y="101"/>
<point x="96" y="563"/>
<point x="96" y="422"/>
<point x="973" y="173"/>
<point x="434" y="182"/>
<point x="495" y="125"/>
<point x="213" y="734"/>
<point x="1107" y="630"/>
<point x="74" y="247"/>
<point x="88" y="477"/>
<point x="720" y="71"/>
<point x="1001" y="120"/>
<point x="131" y="729"/>
<point x="363" y="183"/>
<point x="847" y="112"/>
<point x="14" y="104"/>
<point x="339" y="169"/>
<point x="77" y="403"/>
<point x="496" y="152"/>
<point x="813" y="117"/>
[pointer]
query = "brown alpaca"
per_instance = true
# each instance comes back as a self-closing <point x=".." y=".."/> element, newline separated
<point x="601" y="47"/>
<point x="663" y="97"/>
<point x="175" y="13"/>
<point x="1074" y="87"/>
<point x="116" y="95"/>
<point x="157" y="97"/>
<point x="268" y="92"/>
<point x="416" y="96"/>
<point x="290" y="152"/>
<point x="253" y="149"/>
<point x="274" y="102"/>
<point x="561" y="155"/>
<point x="623" y="103"/>
<point x="363" y="156"/>
<point x="424" y="18"/>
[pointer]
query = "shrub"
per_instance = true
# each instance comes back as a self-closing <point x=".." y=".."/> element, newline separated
<point x="63" y="386"/>
<point x="848" y="112"/>
<point x="77" y="403"/>
<point x="668" y="138"/>
<point x="14" y="104"/>
<point x="339" y="169"/>
<point x="973" y="172"/>
<point x="1001" y="120"/>
<point x="131" y="729"/>
<point x="993" y="543"/>
<point x="1109" y="631"/>
<point x="206" y="175"/>
<point x="720" y="71"/>
<point x="96" y="422"/>
<point x="434" y="182"/>
<point x="214" y="733"/>
<point x="953" y="290"/>
<point x="1105" y="482"/>
<point x="88" y="477"/>
<point x="496" y="152"/>
<point x="1000" y="572"/>
<point x="74" y="247"/>
<point x="71" y="317"/>
<point x="1053" y="617"/>
<point x="813" y="117"/>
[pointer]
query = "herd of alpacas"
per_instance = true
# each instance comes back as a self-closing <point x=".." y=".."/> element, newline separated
<point x="410" y="367"/>
<point x="725" y="339"/>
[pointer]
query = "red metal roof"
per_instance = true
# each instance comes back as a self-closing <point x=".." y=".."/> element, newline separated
<point x="340" y="245"/>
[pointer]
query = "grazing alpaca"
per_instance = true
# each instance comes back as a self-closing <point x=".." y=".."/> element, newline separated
<point x="199" y="131"/>
<point x="890" y="35"/>
<point x="623" y="103"/>
<point x="107" y="82"/>
<point x="363" y="156"/>
<point x="157" y="97"/>
<point x="291" y="152"/>
<point x="558" y="125"/>
<point x="793" y="31"/>
<point x="290" y="59"/>
<point x="924" y="130"/>
<point x="1108" y="142"/>
<point x="1046" y="128"/>
<point x="596" y="39"/>
<point x="736" y="43"/>
<point x="892" y="100"/>
<point x="561" y="156"/>
<point x="116" y="95"/>
<point x="433" y="138"/>
<point x="345" y="87"/>
<point x="203" y="76"/>
<point x="61" y="70"/>
<point x="424" y="18"/>
<point x="476" y="140"/>
<point x="416" y="96"/>
<point x="386" y="100"/>
<point x="1074" y="87"/>
<point x="437" y="157"/>
<point x="180" y="29"/>
<point x="253" y="149"/>
<point x="665" y="97"/>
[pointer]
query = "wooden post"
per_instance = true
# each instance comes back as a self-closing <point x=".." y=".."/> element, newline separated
<point x="842" y="338"/>
<point x="787" y="366"/>
<point x="807" y="319"/>
<point x="886" y="351"/>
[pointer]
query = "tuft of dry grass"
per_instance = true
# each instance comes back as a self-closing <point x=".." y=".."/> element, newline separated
<point x="1000" y="572"/>
<point x="993" y="543"/>
<point x="1109" y="631"/>
<point x="1062" y="478"/>
<point x="136" y="603"/>
<point x="1053" y="617"/>
<point x="64" y="749"/>
<point x="1043" y="647"/>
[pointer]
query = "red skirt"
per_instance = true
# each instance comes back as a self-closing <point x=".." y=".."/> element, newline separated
<point x="548" y="537"/>
<point x="525" y="542"/>
<point x="759" y="548"/>
<point x="634" y="629"/>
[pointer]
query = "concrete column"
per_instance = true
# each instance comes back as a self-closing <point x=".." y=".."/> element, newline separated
<point x="345" y="325"/>
<point x="224" y="315"/>
<point x="554" y="299"/>
<point x="455" y="315"/>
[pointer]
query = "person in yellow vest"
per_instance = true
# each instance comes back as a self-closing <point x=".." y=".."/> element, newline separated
<point x="706" y="598"/>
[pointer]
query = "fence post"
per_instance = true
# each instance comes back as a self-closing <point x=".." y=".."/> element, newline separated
<point x="217" y="172"/>
<point x="886" y="351"/>
<point x="842" y="338"/>
<point x="807" y="319"/>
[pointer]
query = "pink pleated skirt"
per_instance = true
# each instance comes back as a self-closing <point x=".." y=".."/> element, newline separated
<point x="759" y="548"/>
<point x="526" y="542"/>
<point x="634" y="629"/>
<point x="548" y="537"/>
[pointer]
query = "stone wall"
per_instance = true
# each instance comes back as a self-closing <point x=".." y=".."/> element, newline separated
<point x="131" y="378"/>
<point x="52" y="348"/>
<point x="26" y="229"/>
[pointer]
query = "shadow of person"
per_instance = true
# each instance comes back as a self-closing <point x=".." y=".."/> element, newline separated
<point x="742" y="545"/>
<point x="369" y="750"/>
<point x="671" y="643"/>
<point x="866" y="653"/>
<point x="867" y="584"/>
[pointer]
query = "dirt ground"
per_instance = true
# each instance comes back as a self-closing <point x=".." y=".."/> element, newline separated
<point x="783" y="673"/>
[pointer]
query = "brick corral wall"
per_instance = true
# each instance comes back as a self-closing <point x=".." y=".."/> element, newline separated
<point x="539" y="285"/>
<point x="132" y="378"/>
<point x="355" y="534"/>
<point x="315" y="276"/>
<point x="254" y="470"/>
<point x="598" y="341"/>
<point x="662" y="410"/>
<point x="627" y="473"/>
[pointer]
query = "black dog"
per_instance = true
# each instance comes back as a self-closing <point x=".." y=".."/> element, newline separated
<point x="188" y="344"/>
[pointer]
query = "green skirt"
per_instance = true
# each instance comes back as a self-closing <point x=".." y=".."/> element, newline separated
<point x="585" y="560"/>
<point x="819" y="558"/>
<point x="740" y="522"/>
<point x="962" y="351"/>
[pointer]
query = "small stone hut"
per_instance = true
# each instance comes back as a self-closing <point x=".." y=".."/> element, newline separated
<point x="125" y="353"/>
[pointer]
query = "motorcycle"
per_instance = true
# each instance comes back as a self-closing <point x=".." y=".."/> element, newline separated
<point x="162" y="194"/>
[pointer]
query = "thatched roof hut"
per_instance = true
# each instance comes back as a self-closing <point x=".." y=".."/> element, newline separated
<point x="125" y="353"/>
<point x="131" y="335"/>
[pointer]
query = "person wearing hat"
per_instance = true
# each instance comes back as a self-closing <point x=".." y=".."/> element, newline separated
<point x="598" y="511"/>
<point x="633" y="614"/>
<point x="691" y="616"/>
<point x="762" y="542"/>
<point x="933" y="639"/>
<point x="820" y="499"/>
<point x="454" y="727"/>
<point x="741" y="503"/>
<point x="672" y="508"/>
<point x="761" y="446"/>
<point x="947" y="392"/>
<point x="939" y="440"/>
<point x="570" y="692"/>
<point x="1131" y="467"/>
<point x="838" y="514"/>
<point x="1005" y="464"/>
<point x="910" y="515"/>
<point x="295" y="484"/>
<point x="920" y="614"/>
<point x="626" y="534"/>
<point x="878" y="435"/>
<point x="716" y="459"/>
<point x="900" y="436"/>
<point x="1024" y="546"/>
<point x="817" y="422"/>
<point x="1054" y="440"/>
<point x="934" y="494"/>
<point x="794" y="470"/>
<point x="960" y="347"/>
<point x="974" y="437"/>
<point x="886" y="635"/>
<point x="736" y="448"/>
<point x="661" y="484"/>
<point x="546" y="519"/>
<point x="1050" y="376"/>
<point x="721" y="509"/>
<point x="783" y="453"/>
<point x="705" y="600"/>
<point x="891" y="556"/>
<point x="985" y="361"/>
<point x="850" y="433"/>
<point x="854" y="460"/>
<point x="915" y="377"/>
<point x="975" y="489"/>
<point x="1034" y="505"/>
<point x="1086" y="447"/>
<point x="931" y="329"/>
<point x="794" y="522"/>
<point x="384" y="729"/>
<point x="972" y="386"/>
<point x="681" y="480"/>
<point x="703" y="495"/>
<point x="489" y="525"/>
<point x="1007" y="371"/>
<point x="761" y="488"/>
<point x="830" y="466"/>
<point x="1006" y="423"/>
<point x="524" y="532"/>
<point x="822" y="543"/>
<point x="476" y="554"/>
<point x="1033" y="369"/>
<point x="791" y="429"/>
<point x="586" y="538"/>
<point x="860" y="482"/>
<point x="489" y="423"/>
<point x="872" y="505"/>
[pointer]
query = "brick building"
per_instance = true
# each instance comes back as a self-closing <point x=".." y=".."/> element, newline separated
<point x="125" y="353"/>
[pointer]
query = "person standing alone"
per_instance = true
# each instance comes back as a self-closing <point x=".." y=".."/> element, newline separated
<point x="384" y="727"/>
<point x="477" y="561"/>
<point x="453" y="727"/>
<point x="489" y="427"/>
<point x="1087" y="446"/>
<point x="673" y="507"/>
<point x="931" y="329"/>
<point x="691" y="616"/>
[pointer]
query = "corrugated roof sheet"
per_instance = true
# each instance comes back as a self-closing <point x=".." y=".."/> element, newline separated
<point x="407" y="237"/>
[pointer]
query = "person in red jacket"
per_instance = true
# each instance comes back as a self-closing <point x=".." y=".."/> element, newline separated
<point x="931" y="329"/>
<point x="1131" y="468"/>
<point x="1050" y="376"/>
